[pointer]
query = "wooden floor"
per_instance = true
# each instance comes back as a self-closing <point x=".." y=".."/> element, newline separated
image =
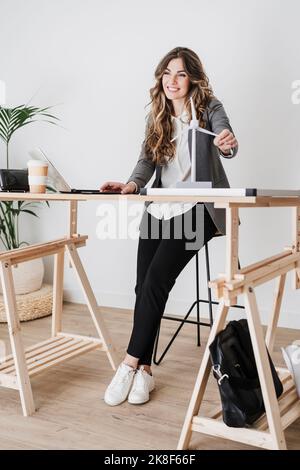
<point x="72" y="414"/>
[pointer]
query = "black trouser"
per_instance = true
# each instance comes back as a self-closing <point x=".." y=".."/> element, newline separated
<point x="160" y="259"/>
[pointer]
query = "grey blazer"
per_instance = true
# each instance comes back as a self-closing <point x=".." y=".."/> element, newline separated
<point x="208" y="162"/>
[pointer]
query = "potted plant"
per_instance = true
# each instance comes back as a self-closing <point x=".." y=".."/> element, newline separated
<point x="28" y="276"/>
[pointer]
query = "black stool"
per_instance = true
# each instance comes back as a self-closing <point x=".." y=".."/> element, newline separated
<point x="197" y="302"/>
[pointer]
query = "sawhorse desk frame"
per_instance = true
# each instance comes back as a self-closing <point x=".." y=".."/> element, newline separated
<point x="17" y="368"/>
<point x="268" y="431"/>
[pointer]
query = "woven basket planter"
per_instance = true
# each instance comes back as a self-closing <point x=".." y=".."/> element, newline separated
<point x="30" y="306"/>
<point x="27" y="276"/>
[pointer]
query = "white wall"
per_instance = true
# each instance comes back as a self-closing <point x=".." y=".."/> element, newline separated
<point x="95" y="61"/>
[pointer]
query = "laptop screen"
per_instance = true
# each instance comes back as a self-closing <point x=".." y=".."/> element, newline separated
<point x="55" y="179"/>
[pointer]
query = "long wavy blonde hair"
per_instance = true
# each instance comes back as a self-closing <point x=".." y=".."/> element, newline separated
<point x="158" y="143"/>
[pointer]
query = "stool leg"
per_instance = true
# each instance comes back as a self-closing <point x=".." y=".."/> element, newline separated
<point x="211" y="320"/>
<point x="182" y="322"/>
<point x="198" y="299"/>
<point x="197" y="302"/>
<point x="155" y="360"/>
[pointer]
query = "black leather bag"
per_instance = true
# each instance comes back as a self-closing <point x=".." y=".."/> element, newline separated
<point x="14" y="180"/>
<point x="235" y="369"/>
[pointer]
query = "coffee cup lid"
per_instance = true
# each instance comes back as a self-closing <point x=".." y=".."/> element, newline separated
<point x="36" y="163"/>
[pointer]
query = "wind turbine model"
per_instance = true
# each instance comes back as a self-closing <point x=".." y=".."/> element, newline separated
<point x="194" y="126"/>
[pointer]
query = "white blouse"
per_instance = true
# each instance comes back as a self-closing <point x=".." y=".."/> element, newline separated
<point x="179" y="169"/>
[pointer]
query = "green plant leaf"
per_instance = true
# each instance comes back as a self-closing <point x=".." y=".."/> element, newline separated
<point x="30" y="212"/>
<point x="23" y="243"/>
<point x="12" y="119"/>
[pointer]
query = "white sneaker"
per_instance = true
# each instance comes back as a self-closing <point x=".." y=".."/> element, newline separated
<point x="143" y="384"/>
<point x="119" y="387"/>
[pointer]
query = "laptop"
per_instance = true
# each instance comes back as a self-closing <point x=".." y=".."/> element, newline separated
<point x="57" y="181"/>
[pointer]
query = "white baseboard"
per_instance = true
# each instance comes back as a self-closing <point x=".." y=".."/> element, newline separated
<point x="288" y="319"/>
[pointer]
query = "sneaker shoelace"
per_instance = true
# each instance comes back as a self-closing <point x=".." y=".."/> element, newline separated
<point x="140" y="381"/>
<point x="121" y="377"/>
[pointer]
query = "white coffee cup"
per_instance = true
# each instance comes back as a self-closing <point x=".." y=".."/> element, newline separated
<point x="37" y="176"/>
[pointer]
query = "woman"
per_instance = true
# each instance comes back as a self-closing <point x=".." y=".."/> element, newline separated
<point x="166" y="150"/>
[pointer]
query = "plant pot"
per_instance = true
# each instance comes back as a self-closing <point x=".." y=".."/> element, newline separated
<point x="28" y="276"/>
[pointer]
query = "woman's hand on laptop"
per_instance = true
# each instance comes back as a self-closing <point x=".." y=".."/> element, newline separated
<point x="128" y="188"/>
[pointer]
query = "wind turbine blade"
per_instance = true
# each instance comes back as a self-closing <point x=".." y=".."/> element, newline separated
<point x="178" y="135"/>
<point x="200" y="129"/>
<point x="194" y="117"/>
